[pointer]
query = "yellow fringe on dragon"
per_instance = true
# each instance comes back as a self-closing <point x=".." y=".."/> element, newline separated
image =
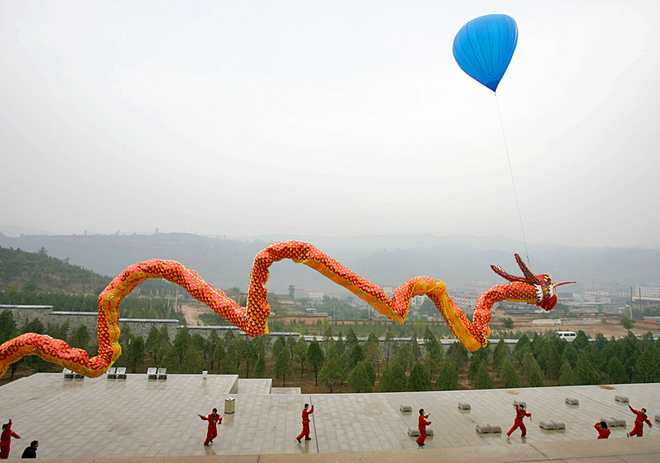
<point x="253" y="319"/>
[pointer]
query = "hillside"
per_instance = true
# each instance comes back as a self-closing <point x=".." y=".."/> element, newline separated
<point x="39" y="272"/>
<point x="386" y="260"/>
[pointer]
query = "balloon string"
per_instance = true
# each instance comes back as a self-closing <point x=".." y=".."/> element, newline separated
<point x="515" y="192"/>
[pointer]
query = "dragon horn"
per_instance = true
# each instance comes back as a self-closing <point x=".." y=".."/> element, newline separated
<point x="530" y="277"/>
<point x="566" y="283"/>
<point x="504" y="274"/>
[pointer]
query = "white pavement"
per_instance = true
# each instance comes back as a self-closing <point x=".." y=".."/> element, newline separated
<point x="138" y="417"/>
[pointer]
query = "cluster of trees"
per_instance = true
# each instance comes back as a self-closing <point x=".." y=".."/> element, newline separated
<point x="343" y="363"/>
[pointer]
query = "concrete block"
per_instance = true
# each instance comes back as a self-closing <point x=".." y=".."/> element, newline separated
<point x="121" y="372"/>
<point x="77" y="375"/>
<point x="68" y="374"/>
<point x="429" y="432"/>
<point x="111" y="373"/>
<point x="162" y="373"/>
<point x="405" y="408"/>
<point x="464" y="406"/>
<point x="572" y="401"/>
<point x="490" y="428"/>
<point x="621" y="399"/>
<point x="657" y="418"/>
<point x="614" y="422"/>
<point x="152" y="373"/>
<point x="552" y="425"/>
<point x="413" y="432"/>
<point x="547" y="425"/>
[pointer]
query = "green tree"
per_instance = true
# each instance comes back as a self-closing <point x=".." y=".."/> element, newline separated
<point x="315" y="358"/>
<point x="647" y="368"/>
<point x="135" y="354"/>
<point x="566" y="375"/>
<point x="581" y="340"/>
<point x="501" y="353"/>
<point x="585" y="371"/>
<point x="483" y="379"/>
<point x="331" y="374"/>
<point x="351" y="340"/>
<point x="300" y="354"/>
<point x="419" y="379"/>
<point x="283" y="365"/>
<point x="249" y="354"/>
<point x="448" y="378"/>
<point x="388" y="347"/>
<point x="7" y="326"/>
<point x="151" y="346"/>
<point x="403" y="356"/>
<point x="182" y="342"/>
<point x="292" y="291"/>
<point x="535" y="376"/>
<point x="521" y="346"/>
<point x="507" y="323"/>
<point x="358" y="379"/>
<point x="373" y="354"/>
<point x="260" y="367"/>
<point x="554" y="363"/>
<point x="357" y="354"/>
<point x="458" y="353"/>
<point x="570" y="354"/>
<point x="393" y="378"/>
<point x="80" y="338"/>
<point x="509" y="375"/>
<point x="627" y="323"/>
<point x="617" y="373"/>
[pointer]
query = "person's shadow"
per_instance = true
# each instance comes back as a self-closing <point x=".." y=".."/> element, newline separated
<point x="209" y="450"/>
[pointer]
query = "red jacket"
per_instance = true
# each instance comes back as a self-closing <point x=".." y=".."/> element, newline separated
<point x="422" y="422"/>
<point x="306" y="413"/>
<point x="641" y="416"/>
<point x="602" y="433"/>
<point x="521" y="413"/>
<point x="212" y="419"/>
<point x="7" y="433"/>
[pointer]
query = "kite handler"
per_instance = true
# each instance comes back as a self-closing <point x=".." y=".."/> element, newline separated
<point x="639" y="422"/>
<point x="518" y="422"/>
<point x="603" y="432"/>
<point x="5" y="440"/>
<point x="212" y="432"/>
<point x="422" y="426"/>
<point x="305" y="422"/>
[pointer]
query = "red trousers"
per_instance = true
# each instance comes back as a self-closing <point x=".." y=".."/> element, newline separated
<point x="638" y="431"/>
<point x="4" y="450"/>
<point x="211" y="434"/>
<point x="422" y="436"/>
<point x="518" y="424"/>
<point x="305" y="431"/>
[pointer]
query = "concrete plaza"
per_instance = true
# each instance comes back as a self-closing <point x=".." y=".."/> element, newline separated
<point x="138" y="417"/>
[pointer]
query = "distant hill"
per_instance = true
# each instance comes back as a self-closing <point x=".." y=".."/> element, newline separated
<point x="37" y="271"/>
<point x="386" y="260"/>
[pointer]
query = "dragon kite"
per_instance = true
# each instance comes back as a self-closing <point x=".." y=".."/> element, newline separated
<point x="253" y="319"/>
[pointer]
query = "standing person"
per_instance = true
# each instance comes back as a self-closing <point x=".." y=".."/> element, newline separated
<point x="639" y="422"/>
<point x="422" y="424"/>
<point x="5" y="440"/>
<point x="31" y="451"/>
<point x="603" y="432"/>
<point x="518" y="422"/>
<point x="305" y="423"/>
<point x="212" y="432"/>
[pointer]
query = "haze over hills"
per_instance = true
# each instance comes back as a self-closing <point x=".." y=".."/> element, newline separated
<point x="385" y="260"/>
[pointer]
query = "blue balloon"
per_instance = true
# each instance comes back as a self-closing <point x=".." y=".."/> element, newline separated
<point x="483" y="48"/>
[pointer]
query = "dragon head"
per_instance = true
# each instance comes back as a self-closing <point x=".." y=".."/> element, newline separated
<point x="546" y="293"/>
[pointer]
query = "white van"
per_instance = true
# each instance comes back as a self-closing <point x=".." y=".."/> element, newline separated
<point x="567" y="335"/>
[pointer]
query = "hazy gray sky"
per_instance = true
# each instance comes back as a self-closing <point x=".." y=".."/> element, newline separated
<point x="330" y="118"/>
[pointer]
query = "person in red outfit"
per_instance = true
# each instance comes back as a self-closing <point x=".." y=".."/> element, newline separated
<point x="603" y="432"/>
<point x="212" y="432"/>
<point x="639" y="422"/>
<point x="305" y="422"/>
<point x="5" y="440"/>
<point x="518" y="422"/>
<point x="422" y="424"/>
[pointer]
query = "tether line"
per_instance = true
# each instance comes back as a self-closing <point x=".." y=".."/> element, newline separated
<point x="515" y="192"/>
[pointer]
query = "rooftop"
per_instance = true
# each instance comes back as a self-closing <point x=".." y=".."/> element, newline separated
<point x="138" y="417"/>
